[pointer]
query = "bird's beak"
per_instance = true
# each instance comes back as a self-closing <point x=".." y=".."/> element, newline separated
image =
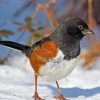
<point x="87" y="32"/>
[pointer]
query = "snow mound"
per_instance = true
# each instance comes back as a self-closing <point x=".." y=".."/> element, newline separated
<point x="17" y="82"/>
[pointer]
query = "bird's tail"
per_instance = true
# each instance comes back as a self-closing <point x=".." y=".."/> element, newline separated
<point x="25" y="49"/>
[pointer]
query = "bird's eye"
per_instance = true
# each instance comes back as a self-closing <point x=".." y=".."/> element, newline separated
<point x="81" y="27"/>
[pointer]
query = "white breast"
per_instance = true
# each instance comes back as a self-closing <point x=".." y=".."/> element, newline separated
<point x="57" y="68"/>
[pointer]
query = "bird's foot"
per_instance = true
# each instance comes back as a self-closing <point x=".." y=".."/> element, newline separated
<point x="36" y="97"/>
<point x="60" y="97"/>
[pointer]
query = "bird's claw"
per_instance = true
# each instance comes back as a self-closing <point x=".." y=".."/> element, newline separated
<point x="36" y="97"/>
<point x="60" y="97"/>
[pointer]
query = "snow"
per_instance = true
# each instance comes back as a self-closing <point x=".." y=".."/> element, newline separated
<point x="17" y="82"/>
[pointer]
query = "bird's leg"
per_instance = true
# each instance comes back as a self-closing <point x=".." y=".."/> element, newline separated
<point x="36" y="96"/>
<point x="60" y="95"/>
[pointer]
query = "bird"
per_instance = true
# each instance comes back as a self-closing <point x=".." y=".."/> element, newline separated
<point x="55" y="56"/>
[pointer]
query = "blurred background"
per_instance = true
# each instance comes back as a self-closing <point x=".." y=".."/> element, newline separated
<point x="27" y="21"/>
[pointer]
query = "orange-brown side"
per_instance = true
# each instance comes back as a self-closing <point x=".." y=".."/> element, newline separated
<point x="42" y="53"/>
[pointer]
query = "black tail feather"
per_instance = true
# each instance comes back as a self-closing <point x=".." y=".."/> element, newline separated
<point x="14" y="45"/>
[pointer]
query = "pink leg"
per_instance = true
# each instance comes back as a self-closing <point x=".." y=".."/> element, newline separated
<point x="36" y="96"/>
<point x="60" y="95"/>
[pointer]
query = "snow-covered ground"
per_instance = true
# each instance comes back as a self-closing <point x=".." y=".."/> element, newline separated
<point x="17" y="82"/>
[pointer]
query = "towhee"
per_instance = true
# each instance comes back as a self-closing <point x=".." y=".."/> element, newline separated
<point x="55" y="56"/>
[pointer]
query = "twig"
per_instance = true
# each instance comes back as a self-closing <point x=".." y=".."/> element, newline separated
<point x="90" y="20"/>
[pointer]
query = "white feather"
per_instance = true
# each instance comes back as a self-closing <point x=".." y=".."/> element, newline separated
<point x="57" y="68"/>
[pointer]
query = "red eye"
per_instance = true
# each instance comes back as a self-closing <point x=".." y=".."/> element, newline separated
<point x="80" y="27"/>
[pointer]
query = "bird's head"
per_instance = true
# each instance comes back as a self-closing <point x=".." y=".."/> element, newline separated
<point x="76" y="27"/>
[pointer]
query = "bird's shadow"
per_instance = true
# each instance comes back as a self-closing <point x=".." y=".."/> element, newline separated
<point x="76" y="92"/>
